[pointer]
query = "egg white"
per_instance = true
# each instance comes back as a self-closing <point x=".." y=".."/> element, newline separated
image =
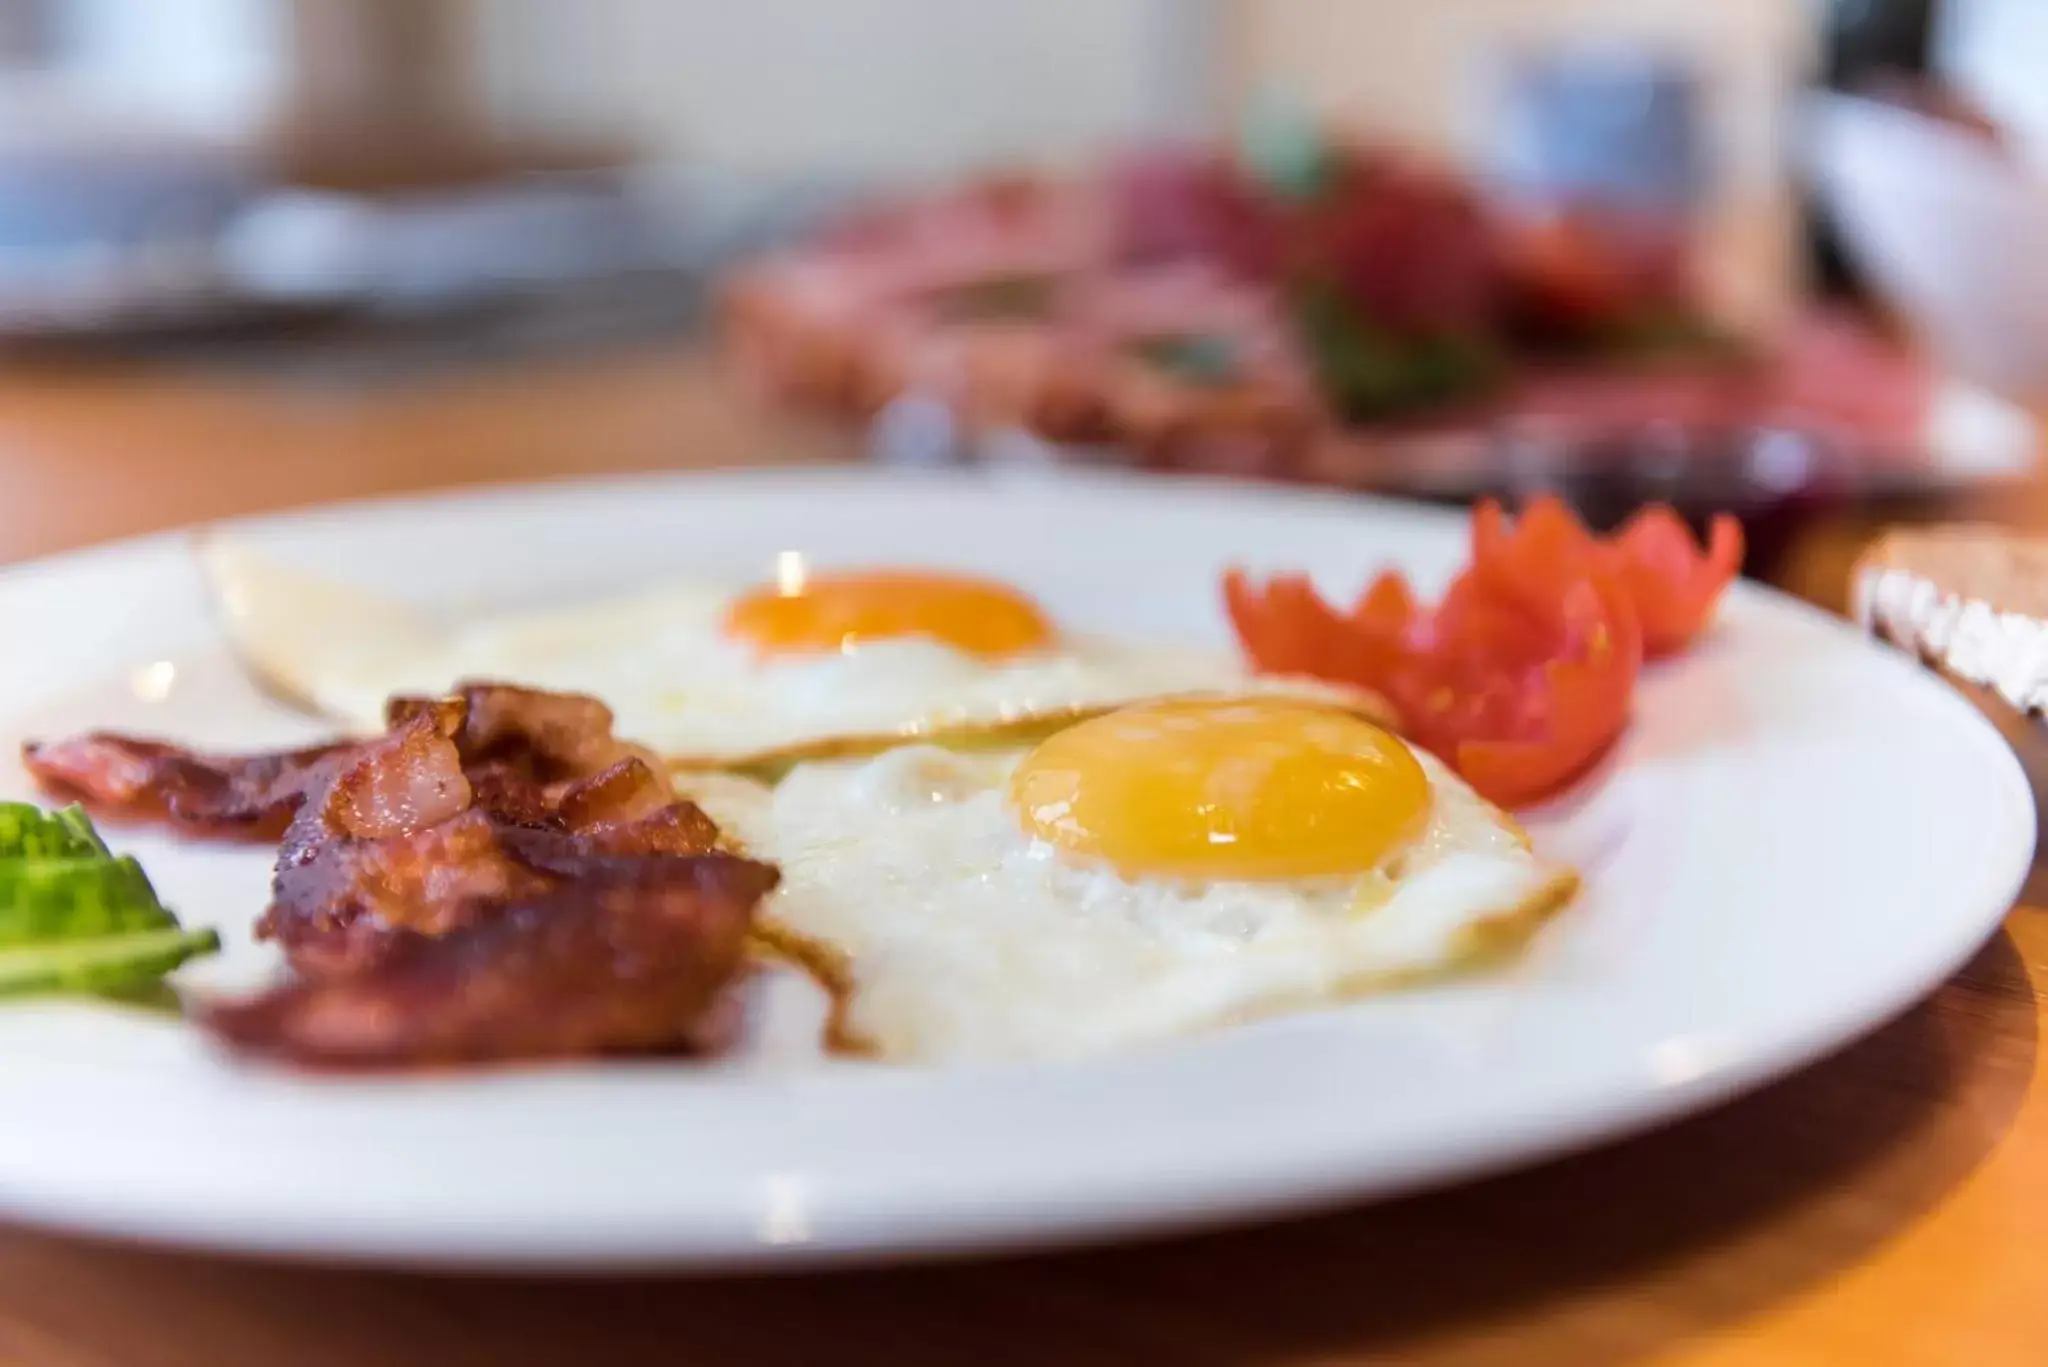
<point x="962" y="939"/>
<point x="677" y="683"/>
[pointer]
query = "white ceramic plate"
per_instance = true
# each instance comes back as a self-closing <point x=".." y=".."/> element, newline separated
<point x="1801" y="834"/>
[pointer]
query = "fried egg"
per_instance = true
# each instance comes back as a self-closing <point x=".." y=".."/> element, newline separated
<point x="1154" y="871"/>
<point x="806" y="664"/>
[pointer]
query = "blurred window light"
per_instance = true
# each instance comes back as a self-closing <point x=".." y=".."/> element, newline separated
<point x="211" y="66"/>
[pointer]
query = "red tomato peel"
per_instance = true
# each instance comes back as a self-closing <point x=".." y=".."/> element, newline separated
<point x="1578" y="702"/>
<point x="1674" y="583"/>
<point x="1518" y="722"/>
<point x="1523" y="676"/>
<point x="1286" y="627"/>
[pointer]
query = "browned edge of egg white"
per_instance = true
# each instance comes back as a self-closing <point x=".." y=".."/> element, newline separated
<point x="830" y="969"/>
<point x="1480" y="946"/>
<point x="1497" y="938"/>
<point x="769" y="766"/>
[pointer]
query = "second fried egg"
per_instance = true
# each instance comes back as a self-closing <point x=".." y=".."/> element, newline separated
<point x="1157" y="870"/>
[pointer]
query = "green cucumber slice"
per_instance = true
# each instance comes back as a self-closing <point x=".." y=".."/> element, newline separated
<point x="72" y="899"/>
<point x="29" y="832"/>
<point x="106" y="964"/>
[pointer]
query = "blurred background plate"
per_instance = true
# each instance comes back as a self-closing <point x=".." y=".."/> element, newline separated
<point x="1776" y="480"/>
<point x="107" y="222"/>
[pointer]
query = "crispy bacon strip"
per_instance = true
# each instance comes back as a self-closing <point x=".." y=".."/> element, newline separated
<point x="525" y="748"/>
<point x="395" y="846"/>
<point x="403" y="840"/>
<point x="246" y="797"/>
<point x="621" y="964"/>
<point x="497" y="876"/>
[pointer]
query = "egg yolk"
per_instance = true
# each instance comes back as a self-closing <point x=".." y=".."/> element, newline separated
<point x="1224" y="789"/>
<point x="840" y="611"/>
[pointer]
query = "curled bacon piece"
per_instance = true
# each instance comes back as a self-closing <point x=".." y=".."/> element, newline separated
<point x="539" y="736"/>
<point x="614" y="965"/>
<point x="402" y="839"/>
<point x="628" y="791"/>
<point x="339" y="902"/>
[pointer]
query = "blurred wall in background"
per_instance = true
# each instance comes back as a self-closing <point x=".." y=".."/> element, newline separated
<point x="854" y="87"/>
<point x="843" y="90"/>
<point x="928" y="86"/>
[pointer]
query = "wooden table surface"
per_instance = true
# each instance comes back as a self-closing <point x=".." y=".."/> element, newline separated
<point x="1888" y="1206"/>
